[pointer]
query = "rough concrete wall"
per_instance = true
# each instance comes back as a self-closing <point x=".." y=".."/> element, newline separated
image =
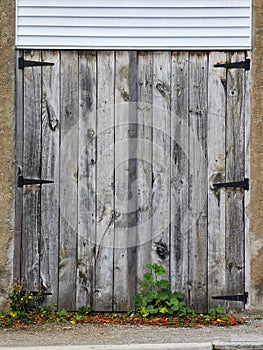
<point x="7" y="158"/>
<point x="256" y="164"/>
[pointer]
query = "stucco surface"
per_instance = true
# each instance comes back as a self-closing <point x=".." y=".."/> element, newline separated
<point x="7" y="158"/>
<point x="256" y="164"/>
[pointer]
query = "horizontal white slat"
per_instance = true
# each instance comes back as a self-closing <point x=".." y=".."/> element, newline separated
<point x="134" y="3"/>
<point x="130" y="22"/>
<point x="173" y="43"/>
<point x="132" y="32"/>
<point x="134" y="12"/>
<point x="134" y="24"/>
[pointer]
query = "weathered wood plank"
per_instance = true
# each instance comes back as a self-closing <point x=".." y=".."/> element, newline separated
<point x="50" y="170"/>
<point x="31" y="169"/>
<point x="105" y="182"/>
<point x="86" y="179"/>
<point x="161" y="158"/>
<point x="198" y="180"/>
<point x="125" y="189"/>
<point x="144" y="162"/>
<point x="68" y="179"/>
<point x="132" y="180"/>
<point x="179" y="172"/>
<point x="235" y="171"/>
<point x="216" y="173"/>
<point x="19" y="163"/>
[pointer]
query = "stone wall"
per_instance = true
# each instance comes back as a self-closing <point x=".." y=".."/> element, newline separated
<point x="7" y="142"/>
<point x="256" y="163"/>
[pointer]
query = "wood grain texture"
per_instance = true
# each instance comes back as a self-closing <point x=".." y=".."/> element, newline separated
<point x="161" y="159"/>
<point x="235" y="171"/>
<point x="49" y="255"/>
<point x="68" y="180"/>
<point x="105" y="182"/>
<point x="144" y="162"/>
<point x="179" y="172"/>
<point x="17" y="261"/>
<point x="198" y="180"/>
<point x="134" y="142"/>
<point x="216" y="130"/>
<point x="86" y="179"/>
<point x="31" y="227"/>
<point x="125" y="183"/>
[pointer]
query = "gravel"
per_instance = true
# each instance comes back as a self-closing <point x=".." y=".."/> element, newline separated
<point x="90" y="334"/>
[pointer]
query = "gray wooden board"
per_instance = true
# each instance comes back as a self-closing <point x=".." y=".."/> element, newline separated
<point x="125" y="192"/>
<point x="31" y="169"/>
<point x="68" y="179"/>
<point x="216" y="173"/>
<point x="161" y="159"/>
<point x="105" y="182"/>
<point x="198" y="180"/>
<point x="19" y="162"/>
<point x="235" y="171"/>
<point x="86" y="179"/>
<point x="50" y="171"/>
<point x="144" y="163"/>
<point x="179" y="172"/>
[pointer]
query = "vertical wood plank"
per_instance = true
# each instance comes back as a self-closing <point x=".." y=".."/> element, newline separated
<point x="132" y="180"/>
<point x="198" y="181"/>
<point x="144" y="162"/>
<point x="125" y="191"/>
<point x="179" y="173"/>
<point x="31" y="169"/>
<point x="68" y="179"/>
<point x="216" y="173"/>
<point x="19" y="163"/>
<point x="105" y="182"/>
<point x="50" y="171"/>
<point x="235" y="171"/>
<point x="86" y="178"/>
<point x="161" y="158"/>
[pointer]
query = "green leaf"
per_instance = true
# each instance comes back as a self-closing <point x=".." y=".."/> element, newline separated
<point x="163" y="310"/>
<point x="151" y="310"/>
<point x="175" y="307"/>
<point x="147" y="280"/>
<point x="179" y="295"/>
<point x="174" y="300"/>
<point x="163" y="296"/>
<point x="62" y="312"/>
<point x="159" y="270"/>
<point x="163" y="284"/>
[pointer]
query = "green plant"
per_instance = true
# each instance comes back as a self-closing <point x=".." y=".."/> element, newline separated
<point x="217" y="312"/>
<point x="22" y="300"/>
<point x="157" y="299"/>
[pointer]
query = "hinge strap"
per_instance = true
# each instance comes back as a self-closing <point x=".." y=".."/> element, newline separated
<point x="243" y="64"/>
<point x="22" y="63"/>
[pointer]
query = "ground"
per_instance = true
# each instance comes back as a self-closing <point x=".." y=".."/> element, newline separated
<point x="89" y="334"/>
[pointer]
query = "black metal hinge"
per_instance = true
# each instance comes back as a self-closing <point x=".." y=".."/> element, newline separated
<point x="243" y="64"/>
<point x="38" y="293"/>
<point x="22" y="63"/>
<point x="21" y="181"/>
<point x="235" y="184"/>
<point x="237" y="297"/>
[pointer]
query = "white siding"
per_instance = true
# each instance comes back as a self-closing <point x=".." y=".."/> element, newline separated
<point x="134" y="24"/>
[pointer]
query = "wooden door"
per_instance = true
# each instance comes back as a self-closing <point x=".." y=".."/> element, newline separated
<point x="134" y="143"/>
